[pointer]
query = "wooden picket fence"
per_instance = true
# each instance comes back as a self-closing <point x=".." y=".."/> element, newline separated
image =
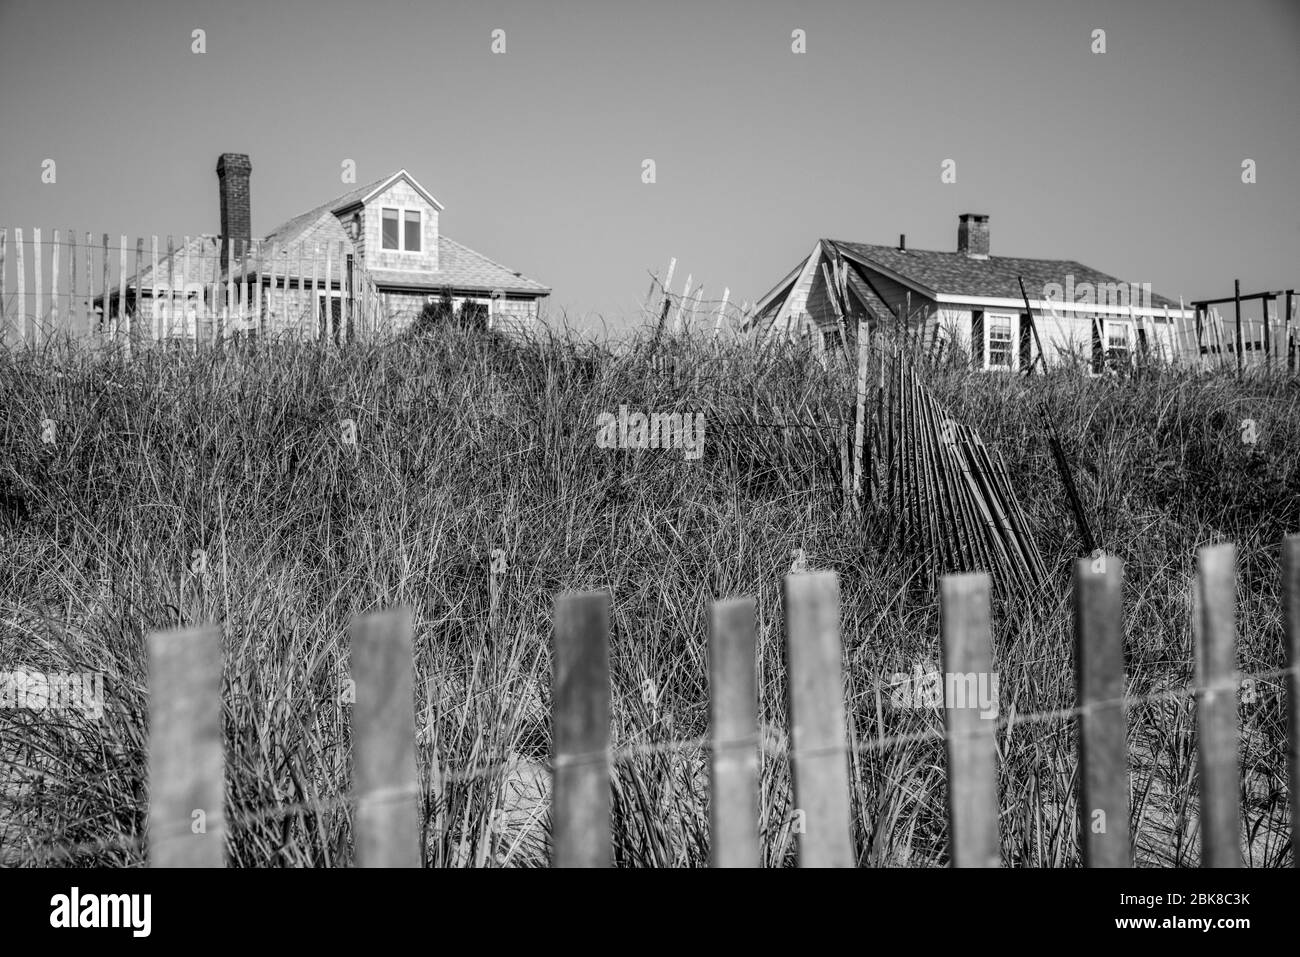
<point x="59" y="283"/>
<point x="1264" y="344"/>
<point x="186" y="755"/>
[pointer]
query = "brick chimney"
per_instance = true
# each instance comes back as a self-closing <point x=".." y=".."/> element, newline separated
<point x="973" y="235"/>
<point x="236" y="222"/>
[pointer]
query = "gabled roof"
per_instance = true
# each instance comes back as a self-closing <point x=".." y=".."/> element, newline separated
<point x="956" y="274"/>
<point x="459" y="267"/>
<point x="367" y="193"/>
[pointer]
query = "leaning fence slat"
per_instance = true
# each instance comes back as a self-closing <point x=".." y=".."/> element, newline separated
<point x="383" y="736"/>
<point x="186" y="762"/>
<point x="1216" y="713"/>
<point x="818" y="730"/>
<point x="722" y="311"/>
<point x="580" y="813"/>
<point x="972" y="754"/>
<point x="1103" y="745"/>
<point x="733" y="704"/>
<point x="1291" y="602"/>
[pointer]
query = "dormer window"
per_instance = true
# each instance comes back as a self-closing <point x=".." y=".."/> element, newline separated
<point x="401" y="229"/>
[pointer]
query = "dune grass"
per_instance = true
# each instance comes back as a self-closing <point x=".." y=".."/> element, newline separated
<point x="466" y="443"/>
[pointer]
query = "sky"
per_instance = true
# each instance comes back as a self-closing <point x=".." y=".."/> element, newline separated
<point x="1129" y="161"/>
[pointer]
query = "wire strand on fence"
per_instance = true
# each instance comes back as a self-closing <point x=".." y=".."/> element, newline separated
<point x="765" y="743"/>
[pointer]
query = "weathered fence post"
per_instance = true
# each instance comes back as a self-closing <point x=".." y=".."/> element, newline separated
<point x="1216" y="711"/>
<point x="54" y="282"/>
<point x="1103" y="745"/>
<point x="733" y="707"/>
<point x="1291" y="605"/>
<point x="106" y="293"/>
<point x="134" y="321"/>
<point x="155" y="322"/>
<point x="383" y="741"/>
<point x="20" y="277"/>
<point x="972" y="754"/>
<point x="860" y="414"/>
<point x="39" y="306"/>
<point x="171" y="286"/>
<point x="122" y="326"/>
<point x="349" y="306"/>
<point x="186" y="761"/>
<point x="580" y="812"/>
<point x="818" y="732"/>
<point x="1238" y="343"/>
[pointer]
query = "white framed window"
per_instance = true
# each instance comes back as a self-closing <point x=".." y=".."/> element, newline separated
<point x="401" y="229"/>
<point x="999" y="341"/>
<point x="1119" y="341"/>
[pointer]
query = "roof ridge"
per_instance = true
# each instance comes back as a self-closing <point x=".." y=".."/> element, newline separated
<point x="955" y="252"/>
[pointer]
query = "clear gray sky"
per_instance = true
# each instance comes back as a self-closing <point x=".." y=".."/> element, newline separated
<point x="1129" y="161"/>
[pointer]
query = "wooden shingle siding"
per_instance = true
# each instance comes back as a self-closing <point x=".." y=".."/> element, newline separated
<point x="402" y="196"/>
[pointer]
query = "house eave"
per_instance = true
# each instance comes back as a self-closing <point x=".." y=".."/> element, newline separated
<point x="1048" y="305"/>
<point x="430" y="286"/>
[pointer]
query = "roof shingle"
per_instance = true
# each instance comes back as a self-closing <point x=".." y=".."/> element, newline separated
<point x="956" y="274"/>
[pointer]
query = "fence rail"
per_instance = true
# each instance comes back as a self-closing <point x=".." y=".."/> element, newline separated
<point x="186" y="769"/>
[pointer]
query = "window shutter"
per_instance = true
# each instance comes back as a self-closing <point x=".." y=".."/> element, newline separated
<point x="978" y="353"/>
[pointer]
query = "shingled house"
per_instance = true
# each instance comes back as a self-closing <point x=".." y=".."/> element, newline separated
<point x="971" y="299"/>
<point x="382" y="240"/>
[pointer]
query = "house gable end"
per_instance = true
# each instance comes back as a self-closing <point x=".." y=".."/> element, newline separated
<point x="401" y="202"/>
